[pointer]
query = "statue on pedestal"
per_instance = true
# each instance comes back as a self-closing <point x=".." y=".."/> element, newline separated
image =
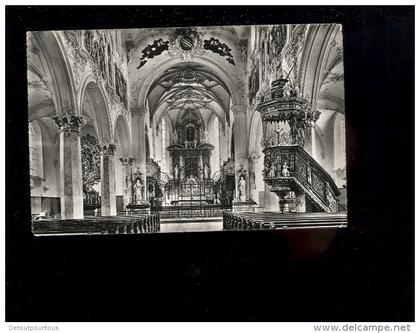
<point x="206" y="171"/>
<point x="287" y="90"/>
<point x="242" y="188"/>
<point x="272" y="172"/>
<point x="138" y="192"/>
<point x="176" y="171"/>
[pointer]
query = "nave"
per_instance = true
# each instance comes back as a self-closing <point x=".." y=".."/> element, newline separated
<point x="173" y="129"/>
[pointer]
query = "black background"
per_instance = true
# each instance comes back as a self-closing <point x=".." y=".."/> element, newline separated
<point x="366" y="275"/>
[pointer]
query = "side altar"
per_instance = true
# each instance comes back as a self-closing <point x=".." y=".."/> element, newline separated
<point x="139" y="203"/>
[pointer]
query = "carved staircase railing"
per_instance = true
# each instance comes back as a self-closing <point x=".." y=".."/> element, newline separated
<point x="303" y="172"/>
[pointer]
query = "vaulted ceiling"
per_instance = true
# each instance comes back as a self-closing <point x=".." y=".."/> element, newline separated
<point x="188" y="86"/>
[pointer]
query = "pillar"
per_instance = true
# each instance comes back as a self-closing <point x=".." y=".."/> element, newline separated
<point x="108" y="198"/>
<point x="253" y="195"/>
<point x="240" y="133"/>
<point x="302" y="201"/>
<point x="139" y="144"/>
<point x="70" y="166"/>
<point x="271" y="199"/>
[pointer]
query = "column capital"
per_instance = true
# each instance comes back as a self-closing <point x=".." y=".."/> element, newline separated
<point x="68" y="123"/>
<point x="108" y="149"/>
<point x="126" y="160"/>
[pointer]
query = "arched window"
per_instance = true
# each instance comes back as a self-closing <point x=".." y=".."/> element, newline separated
<point x="163" y="137"/>
<point x="35" y="150"/>
<point x="339" y="142"/>
<point x="339" y="169"/>
<point x="216" y="129"/>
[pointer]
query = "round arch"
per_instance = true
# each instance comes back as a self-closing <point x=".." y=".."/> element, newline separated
<point x="122" y="136"/>
<point x="59" y="75"/>
<point x="95" y="108"/>
<point x="314" y="59"/>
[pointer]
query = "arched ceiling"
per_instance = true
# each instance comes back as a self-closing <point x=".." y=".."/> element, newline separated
<point x="331" y="94"/>
<point x="94" y="111"/>
<point x="188" y="86"/>
<point x="178" y="69"/>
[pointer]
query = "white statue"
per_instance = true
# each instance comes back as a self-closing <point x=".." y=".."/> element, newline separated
<point x="138" y="193"/>
<point x="206" y="171"/>
<point x="272" y="173"/>
<point x="286" y="90"/>
<point x="242" y="188"/>
<point x="176" y="171"/>
<point x="285" y="172"/>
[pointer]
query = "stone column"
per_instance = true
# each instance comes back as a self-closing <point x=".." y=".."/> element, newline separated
<point x="240" y="133"/>
<point x="108" y="198"/>
<point x="139" y="143"/>
<point x="70" y="165"/>
<point x="302" y="202"/>
<point x="127" y="185"/>
<point x="253" y="158"/>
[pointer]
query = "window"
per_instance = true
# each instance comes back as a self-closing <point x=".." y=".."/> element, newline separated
<point x="35" y="150"/>
<point x="163" y="136"/>
<point x="339" y="142"/>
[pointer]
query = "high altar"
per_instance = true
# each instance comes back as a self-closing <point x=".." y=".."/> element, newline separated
<point x="190" y="151"/>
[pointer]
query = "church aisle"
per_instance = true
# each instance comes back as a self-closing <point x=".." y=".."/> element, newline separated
<point x="192" y="227"/>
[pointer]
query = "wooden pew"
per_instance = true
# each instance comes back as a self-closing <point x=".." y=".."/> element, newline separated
<point x="273" y="220"/>
<point x="131" y="224"/>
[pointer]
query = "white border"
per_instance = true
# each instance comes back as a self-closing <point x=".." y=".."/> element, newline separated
<point x="169" y="327"/>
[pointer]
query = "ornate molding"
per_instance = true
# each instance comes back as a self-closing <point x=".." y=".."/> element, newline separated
<point x="108" y="149"/>
<point x="186" y="42"/>
<point x="126" y="160"/>
<point x="150" y="51"/>
<point x="68" y="123"/>
<point x="216" y="46"/>
<point x="92" y="52"/>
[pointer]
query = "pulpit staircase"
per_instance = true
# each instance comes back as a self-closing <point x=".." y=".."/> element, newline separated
<point x="301" y="174"/>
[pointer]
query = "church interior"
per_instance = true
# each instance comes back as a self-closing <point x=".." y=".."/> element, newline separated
<point x="186" y="129"/>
